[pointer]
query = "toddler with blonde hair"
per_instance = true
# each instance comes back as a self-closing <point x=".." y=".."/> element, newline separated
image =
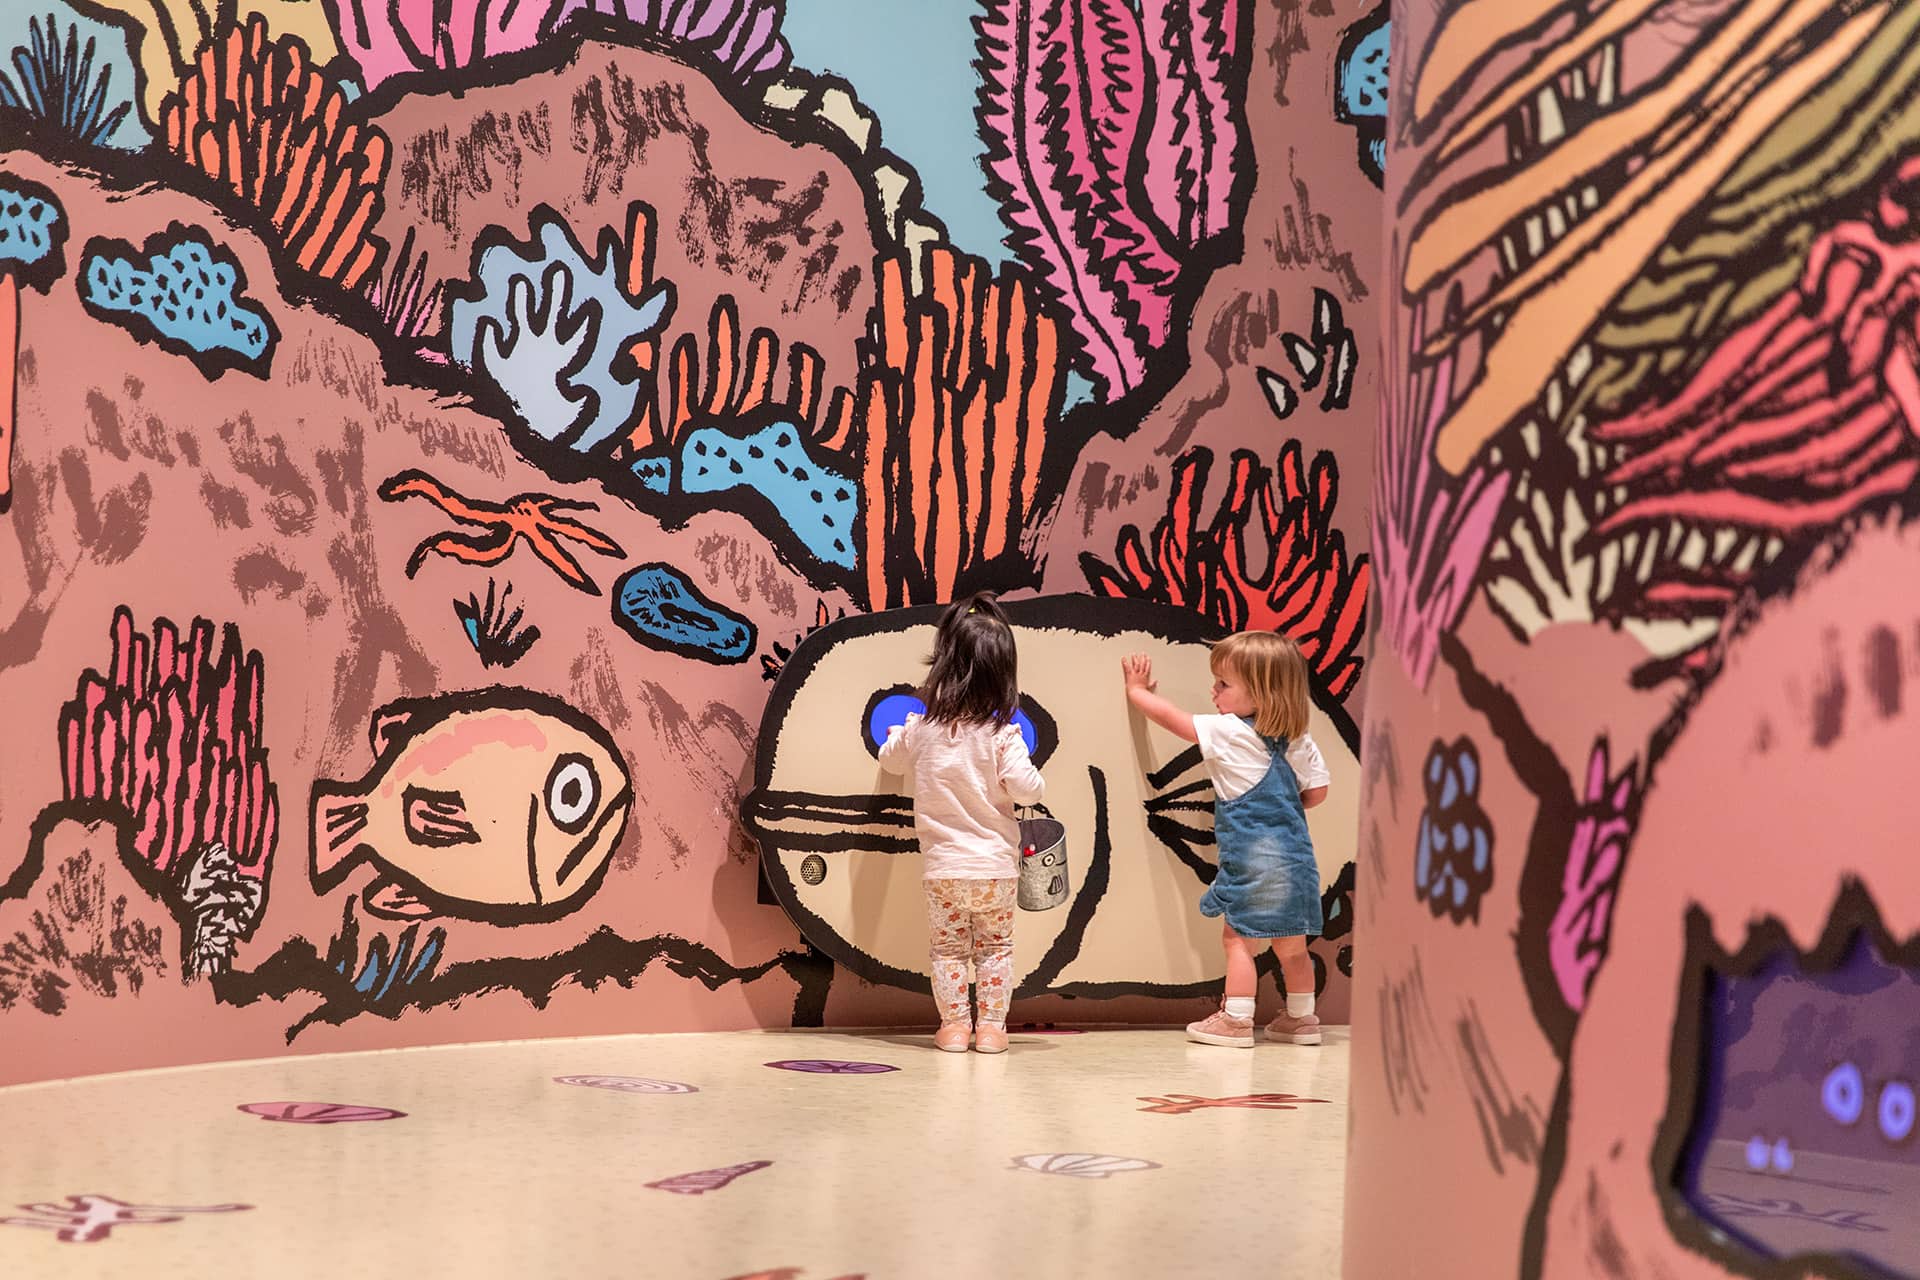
<point x="1266" y="774"/>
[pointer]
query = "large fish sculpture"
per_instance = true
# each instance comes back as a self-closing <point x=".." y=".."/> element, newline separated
<point x="836" y="834"/>
<point x="496" y="804"/>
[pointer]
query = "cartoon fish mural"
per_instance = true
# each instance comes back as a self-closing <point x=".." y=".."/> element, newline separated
<point x="1135" y="801"/>
<point x="497" y="804"/>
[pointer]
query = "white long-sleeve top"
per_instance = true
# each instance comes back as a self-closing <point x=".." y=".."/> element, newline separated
<point x="965" y="781"/>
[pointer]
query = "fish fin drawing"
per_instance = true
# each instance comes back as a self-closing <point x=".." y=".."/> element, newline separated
<point x="437" y="819"/>
<point x="390" y="724"/>
<point x="339" y="816"/>
<point x="394" y="901"/>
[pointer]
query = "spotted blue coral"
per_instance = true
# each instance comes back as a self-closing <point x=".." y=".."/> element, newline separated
<point x="183" y="293"/>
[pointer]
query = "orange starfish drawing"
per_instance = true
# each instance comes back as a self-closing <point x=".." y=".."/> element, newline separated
<point x="532" y="516"/>
<point x="1179" y="1104"/>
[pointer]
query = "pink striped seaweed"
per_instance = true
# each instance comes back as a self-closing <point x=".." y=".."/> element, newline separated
<point x="172" y="734"/>
<point x="1107" y="204"/>
<point x="1430" y="530"/>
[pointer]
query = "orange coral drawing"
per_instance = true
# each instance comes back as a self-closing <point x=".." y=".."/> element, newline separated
<point x="950" y="423"/>
<point x="256" y="114"/>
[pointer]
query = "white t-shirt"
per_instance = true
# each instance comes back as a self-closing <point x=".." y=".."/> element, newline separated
<point x="965" y="782"/>
<point x="1237" y="758"/>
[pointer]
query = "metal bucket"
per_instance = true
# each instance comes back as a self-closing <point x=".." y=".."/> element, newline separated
<point x="1043" y="863"/>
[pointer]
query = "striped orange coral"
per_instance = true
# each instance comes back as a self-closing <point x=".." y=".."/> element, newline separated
<point x="733" y="382"/>
<point x="950" y="420"/>
<point x="255" y="113"/>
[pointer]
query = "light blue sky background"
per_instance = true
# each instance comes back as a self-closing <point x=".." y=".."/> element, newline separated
<point x="911" y="62"/>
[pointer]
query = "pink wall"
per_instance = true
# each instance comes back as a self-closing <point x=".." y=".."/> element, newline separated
<point x="343" y="475"/>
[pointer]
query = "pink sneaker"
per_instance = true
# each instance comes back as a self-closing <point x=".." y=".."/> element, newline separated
<point x="990" y="1039"/>
<point x="1218" y="1028"/>
<point x="952" y="1037"/>
<point x="1291" y="1030"/>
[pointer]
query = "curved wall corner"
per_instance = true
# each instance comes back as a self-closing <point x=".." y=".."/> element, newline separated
<point x="1636" y="898"/>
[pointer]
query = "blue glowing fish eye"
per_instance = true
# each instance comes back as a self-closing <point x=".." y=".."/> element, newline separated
<point x="1843" y="1093"/>
<point x="890" y="710"/>
<point x="1030" y="735"/>
<point x="890" y="713"/>
<point x="1896" y="1110"/>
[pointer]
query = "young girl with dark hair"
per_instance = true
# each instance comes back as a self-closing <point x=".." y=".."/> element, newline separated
<point x="967" y="767"/>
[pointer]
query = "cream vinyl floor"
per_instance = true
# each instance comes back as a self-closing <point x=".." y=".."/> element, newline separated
<point x="1126" y="1154"/>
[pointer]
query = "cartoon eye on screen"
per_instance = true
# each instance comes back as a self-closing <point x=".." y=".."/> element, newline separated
<point x="889" y="708"/>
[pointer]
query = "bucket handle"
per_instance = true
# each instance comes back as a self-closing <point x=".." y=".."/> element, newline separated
<point x="1030" y="810"/>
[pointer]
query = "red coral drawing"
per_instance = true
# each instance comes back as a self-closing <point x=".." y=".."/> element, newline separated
<point x="1800" y="419"/>
<point x="1308" y="589"/>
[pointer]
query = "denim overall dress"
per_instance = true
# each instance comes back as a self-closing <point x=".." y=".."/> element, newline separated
<point x="1268" y="885"/>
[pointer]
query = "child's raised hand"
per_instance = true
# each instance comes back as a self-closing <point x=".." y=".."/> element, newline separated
<point x="1137" y="669"/>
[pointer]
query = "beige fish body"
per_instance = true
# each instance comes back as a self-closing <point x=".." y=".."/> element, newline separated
<point x="496" y="803"/>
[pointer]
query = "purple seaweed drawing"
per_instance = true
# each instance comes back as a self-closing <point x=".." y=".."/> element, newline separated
<point x="832" y="1067"/>
<point x="698" y="1184"/>
<point x="318" y="1112"/>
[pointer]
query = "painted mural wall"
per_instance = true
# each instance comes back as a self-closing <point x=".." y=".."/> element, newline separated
<point x="1636" y="896"/>
<point x="429" y="429"/>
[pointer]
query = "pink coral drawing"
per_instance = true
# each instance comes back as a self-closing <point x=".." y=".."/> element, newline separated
<point x="89" y="1219"/>
<point x="1114" y="144"/>
<point x="173" y="734"/>
<point x="698" y="1184"/>
<point x="1582" y="923"/>
<point x="319" y="1112"/>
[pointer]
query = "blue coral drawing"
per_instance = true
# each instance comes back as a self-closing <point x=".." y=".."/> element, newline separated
<point x="554" y="332"/>
<point x="183" y="293"/>
<point x="1360" y="89"/>
<point x="660" y="607"/>
<point x="33" y="230"/>
<point x="817" y="503"/>
<point x="551" y="328"/>
<point x="1453" y="852"/>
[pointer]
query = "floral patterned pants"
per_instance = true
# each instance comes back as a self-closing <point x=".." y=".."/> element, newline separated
<point x="972" y="920"/>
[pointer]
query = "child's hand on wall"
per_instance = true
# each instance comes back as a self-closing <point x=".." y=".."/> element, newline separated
<point x="1137" y="669"/>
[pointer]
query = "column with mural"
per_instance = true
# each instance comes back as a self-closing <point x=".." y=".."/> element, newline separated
<point x="1634" y="889"/>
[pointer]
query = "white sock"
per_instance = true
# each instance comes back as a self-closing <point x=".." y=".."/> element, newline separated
<point x="1240" y="1007"/>
<point x="1299" y="1006"/>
